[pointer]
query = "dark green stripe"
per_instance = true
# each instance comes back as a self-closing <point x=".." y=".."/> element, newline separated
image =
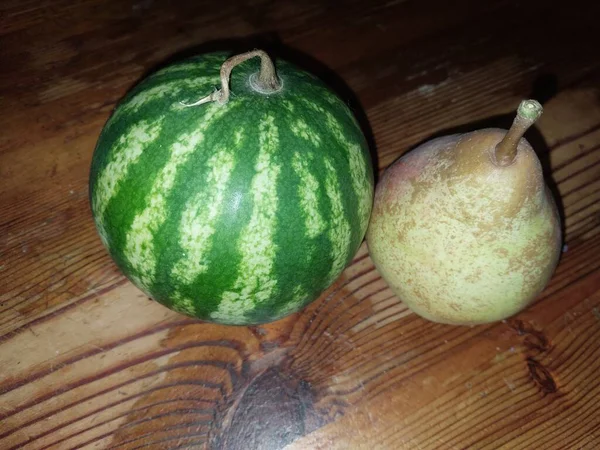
<point x="190" y="180"/>
<point x="224" y="255"/>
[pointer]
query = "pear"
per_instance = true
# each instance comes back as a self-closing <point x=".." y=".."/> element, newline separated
<point x="464" y="229"/>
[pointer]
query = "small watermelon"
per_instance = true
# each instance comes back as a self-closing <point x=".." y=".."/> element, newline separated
<point x="240" y="211"/>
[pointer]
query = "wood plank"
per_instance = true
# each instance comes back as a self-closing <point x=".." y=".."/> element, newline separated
<point x="89" y="362"/>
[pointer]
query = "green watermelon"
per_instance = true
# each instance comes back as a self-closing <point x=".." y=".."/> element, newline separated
<point x="236" y="213"/>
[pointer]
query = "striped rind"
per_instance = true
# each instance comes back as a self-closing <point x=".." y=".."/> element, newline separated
<point x="237" y="213"/>
<point x="300" y="128"/>
<point x="256" y="281"/>
<point x="308" y="192"/>
<point x="139" y="250"/>
<point x="129" y="148"/>
<point x="170" y="90"/>
<point x="184" y="305"/>
<point x="361" y="183"/>
<point x="339" y="230"/>
<point x="297" y="301"/>
<point x="361" y="180"/>
<point x="198" y="222"/>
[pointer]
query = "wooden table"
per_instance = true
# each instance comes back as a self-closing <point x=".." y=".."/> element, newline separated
<point x="87" y="361"/>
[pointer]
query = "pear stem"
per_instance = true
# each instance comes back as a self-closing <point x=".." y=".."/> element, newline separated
<point x="265" y="81"/>
<point x="527" y="113"/>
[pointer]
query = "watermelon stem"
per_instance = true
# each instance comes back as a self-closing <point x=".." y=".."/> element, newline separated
<point x="265" y="82"/>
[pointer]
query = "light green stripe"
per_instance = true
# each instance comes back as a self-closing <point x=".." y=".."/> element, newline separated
<point x="139" y="247"/>
<point x="307" y="190"/>
<point x="198" y="222"/>
<point x="184" y="305"/>
<point x="171" y="89"/>
<point x="298" y="298"/>
<point x="340" y="233"/>
<point x="301" y="129"/>
<point x="125" y="153"/>
<point x="358" y="166"/>
<point x="288" y="105"/>
<point x="361" y="185"/>
<point x="190" y="67"/>
<point x="255" y="282"/>
<point x="331" y="98"/>
<point x="334" y="100"/>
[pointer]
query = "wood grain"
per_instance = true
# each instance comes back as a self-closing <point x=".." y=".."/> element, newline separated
<point x="89" y="362"/>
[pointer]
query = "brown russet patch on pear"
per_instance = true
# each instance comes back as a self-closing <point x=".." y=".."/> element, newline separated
<point x="475" y="276"/>
<point x="424" y="300"/>
<point x="531" y="253"/>
<point x="455" y="306"/>
<point x="523" y="175"/>
<point x="402" y="227"/>
<point x="416" y="170"/>
<point x="555" y="238"/>
<point x="385" y="197"/>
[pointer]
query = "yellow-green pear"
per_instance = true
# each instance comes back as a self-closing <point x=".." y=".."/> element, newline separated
<point x="464" y="229"/>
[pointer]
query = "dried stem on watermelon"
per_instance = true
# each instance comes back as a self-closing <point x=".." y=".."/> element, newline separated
<point x="265" y="82"/>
